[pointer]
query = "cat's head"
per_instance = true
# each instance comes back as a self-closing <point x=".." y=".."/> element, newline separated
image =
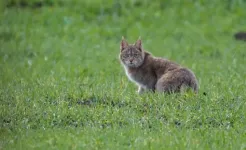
<point x="131" y="55"/>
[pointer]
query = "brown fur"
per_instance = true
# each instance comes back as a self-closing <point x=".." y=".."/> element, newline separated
<point x="152" y="73"/>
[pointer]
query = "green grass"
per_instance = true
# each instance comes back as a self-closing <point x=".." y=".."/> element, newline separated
<point x="62" y="86"/>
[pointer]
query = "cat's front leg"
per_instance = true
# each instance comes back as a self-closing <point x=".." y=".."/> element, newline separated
<point x="140" y="90"/>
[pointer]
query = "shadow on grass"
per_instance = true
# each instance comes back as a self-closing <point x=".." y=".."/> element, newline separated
<point x="6" y="36"/>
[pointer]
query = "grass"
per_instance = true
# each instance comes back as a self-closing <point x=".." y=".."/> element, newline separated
<point x="62" y="86"/>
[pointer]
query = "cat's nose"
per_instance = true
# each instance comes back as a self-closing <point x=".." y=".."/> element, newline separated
<point x="131" y="59"/>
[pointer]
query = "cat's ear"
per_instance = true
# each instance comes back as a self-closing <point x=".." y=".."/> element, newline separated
<point x="138" y="43"/>
<point x="123" y="44"/>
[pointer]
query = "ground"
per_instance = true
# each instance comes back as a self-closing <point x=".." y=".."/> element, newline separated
<point x="62" y="85"/>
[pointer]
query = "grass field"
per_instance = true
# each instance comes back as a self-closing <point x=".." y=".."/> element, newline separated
<point x="62" y="86"/>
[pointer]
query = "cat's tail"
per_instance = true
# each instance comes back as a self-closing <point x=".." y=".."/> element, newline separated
<point x="194" y="85"/>
<point x="192" y="81"/>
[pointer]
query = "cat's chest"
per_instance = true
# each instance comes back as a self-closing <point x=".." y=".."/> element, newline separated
<point x="132" y="74"/>
<point x="138" y="76"/>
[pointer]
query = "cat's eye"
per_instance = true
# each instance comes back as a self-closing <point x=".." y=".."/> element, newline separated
<point x="126" y="56"/>
<point x="135" y="55"/>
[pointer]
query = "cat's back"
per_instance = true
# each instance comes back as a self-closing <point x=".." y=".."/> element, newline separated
<point x="154" y="66"/>
<point x="162" y="65"/>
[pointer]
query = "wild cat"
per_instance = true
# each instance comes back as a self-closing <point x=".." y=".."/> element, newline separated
<point x="153" y="73"/>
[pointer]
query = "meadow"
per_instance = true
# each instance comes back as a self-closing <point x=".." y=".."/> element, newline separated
<point x="62" y="85"/>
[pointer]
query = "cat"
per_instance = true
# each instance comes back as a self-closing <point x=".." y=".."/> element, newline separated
<point x="154" y="74"/>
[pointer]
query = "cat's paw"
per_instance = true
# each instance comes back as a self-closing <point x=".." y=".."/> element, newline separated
<point x="140" y="91"/>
